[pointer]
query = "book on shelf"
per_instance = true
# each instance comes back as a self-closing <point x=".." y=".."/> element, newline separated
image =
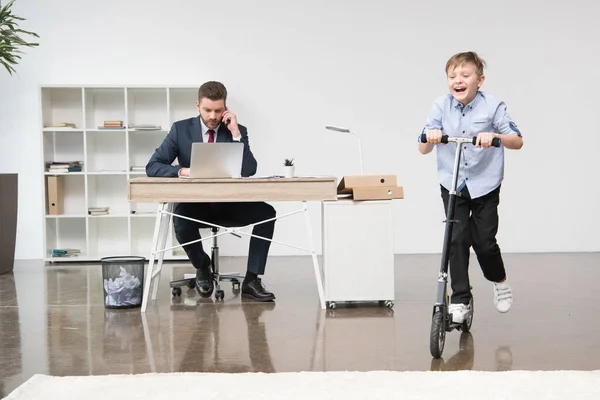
<point x="61" y="125"/>
<point x="112" y="125"/>
<point x="145" y="127"/>
<point x="65" y="252"/>
<point x="64" y="166"/>
<point x="143" y="212"/>
<point x="111" y="171"/>
<point x="98" y="210"/>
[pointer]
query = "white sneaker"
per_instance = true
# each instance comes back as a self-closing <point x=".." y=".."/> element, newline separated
<point x="503" y="298"/>
<point x="459" y="312"/>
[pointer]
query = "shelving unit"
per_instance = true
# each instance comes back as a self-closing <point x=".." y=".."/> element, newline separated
<point x="107" y="157"/>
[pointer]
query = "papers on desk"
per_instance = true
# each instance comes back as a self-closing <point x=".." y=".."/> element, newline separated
<point x="283" y="177"/>
<point x="262" y="177"/>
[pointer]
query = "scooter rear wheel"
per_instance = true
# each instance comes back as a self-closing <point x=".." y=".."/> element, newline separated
<point x="466" y="325"/>
<point x="437" y="338"/>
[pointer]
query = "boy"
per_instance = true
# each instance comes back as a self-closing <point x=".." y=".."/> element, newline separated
<point x="467" y="112"/>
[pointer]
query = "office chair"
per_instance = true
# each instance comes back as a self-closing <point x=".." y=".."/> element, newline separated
<point x="218" y="277"/>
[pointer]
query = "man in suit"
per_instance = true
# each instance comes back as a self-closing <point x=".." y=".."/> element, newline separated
<point x="216" y="123"/>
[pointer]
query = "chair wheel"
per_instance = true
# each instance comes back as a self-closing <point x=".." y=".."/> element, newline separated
<point x="332" y="305"/>
<point x="191" y="284"/>
<point x="176" y="292"/>
<point x="219" y="295"/>
<point x="389" y="304"/>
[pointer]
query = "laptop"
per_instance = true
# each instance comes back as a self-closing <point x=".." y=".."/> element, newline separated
<point x="216" y="160"/>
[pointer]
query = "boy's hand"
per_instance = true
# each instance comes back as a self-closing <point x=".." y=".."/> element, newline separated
<point x="434" y="136"/>
<point x="484" y="139"/>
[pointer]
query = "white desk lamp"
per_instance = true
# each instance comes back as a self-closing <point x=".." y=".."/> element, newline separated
<point x="346" y="130"/>
<point x="367" y="187"/>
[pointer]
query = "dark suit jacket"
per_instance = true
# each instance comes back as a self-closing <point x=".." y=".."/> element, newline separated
<point x="178" y="144"/>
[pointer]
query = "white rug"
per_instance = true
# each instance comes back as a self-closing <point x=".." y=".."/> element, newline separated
<point x="462" y="385"/>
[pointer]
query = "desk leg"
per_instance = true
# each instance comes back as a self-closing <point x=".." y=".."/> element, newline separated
<point x="314" y="257"/>
<point x="162" y="242"/>
<point x="150" y="273"/>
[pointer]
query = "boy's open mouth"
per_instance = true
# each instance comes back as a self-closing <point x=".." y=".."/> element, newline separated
<point x="460" y="89"/>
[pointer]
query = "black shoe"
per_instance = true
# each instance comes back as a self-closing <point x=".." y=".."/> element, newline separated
<point x="204" y="280"/>
<point x="255" y="290"/>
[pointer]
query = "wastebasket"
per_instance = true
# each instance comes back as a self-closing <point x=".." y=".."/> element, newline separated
<point x="123" y="279"/>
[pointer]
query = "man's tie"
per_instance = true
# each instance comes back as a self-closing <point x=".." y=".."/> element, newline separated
<point x="211" y="139"/>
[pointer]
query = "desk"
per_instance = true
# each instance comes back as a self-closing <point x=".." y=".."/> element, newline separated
<point x="167" y="191"/>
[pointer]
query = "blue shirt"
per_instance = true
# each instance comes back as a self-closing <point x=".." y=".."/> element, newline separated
<point x="481" y="169"/>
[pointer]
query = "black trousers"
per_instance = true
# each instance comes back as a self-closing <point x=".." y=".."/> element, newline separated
<point x="477" y="227"/>
<point x="226" y="214"/>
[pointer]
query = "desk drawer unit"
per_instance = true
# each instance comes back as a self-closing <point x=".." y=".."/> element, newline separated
<point x="358" y="250"/>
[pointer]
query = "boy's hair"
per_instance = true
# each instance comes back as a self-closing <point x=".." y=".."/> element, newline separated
<point x="212" y="90"/>
<point x="469" y="56"/>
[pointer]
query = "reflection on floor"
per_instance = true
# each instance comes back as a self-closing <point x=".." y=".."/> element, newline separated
<point x="54" y="322"/>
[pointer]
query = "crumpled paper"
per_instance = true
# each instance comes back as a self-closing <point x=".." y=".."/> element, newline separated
<point x="126" y="290"/>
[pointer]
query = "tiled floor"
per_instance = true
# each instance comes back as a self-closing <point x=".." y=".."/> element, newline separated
<point x="53" y="321"/>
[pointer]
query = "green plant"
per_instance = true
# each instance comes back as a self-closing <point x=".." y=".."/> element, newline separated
<point x="10" y="41"/>
<point x="288" y="162"/>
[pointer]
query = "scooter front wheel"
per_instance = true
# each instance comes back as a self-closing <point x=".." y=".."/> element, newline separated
<point x="437" y="338"/>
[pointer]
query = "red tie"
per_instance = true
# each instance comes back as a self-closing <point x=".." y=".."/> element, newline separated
<point x="211" y="136"/>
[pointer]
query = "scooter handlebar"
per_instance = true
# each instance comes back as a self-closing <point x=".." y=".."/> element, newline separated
<point x="424" y="138"/>
<point x="446" y="139"/>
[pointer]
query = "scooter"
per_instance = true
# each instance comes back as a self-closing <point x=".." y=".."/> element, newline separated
<point x="441" y="321"/>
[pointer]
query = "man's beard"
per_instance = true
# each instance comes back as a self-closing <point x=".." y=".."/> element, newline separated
<point x="210" y="123"/>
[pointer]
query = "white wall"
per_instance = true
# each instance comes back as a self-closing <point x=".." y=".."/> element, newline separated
<point x="375" y="66"/>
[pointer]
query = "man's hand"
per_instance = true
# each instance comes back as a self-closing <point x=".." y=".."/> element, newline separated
<point x="184" y="172"/>
<point x="230" y="120"/>
<point x="484" y="139"/>
<point x="434" y="136"/>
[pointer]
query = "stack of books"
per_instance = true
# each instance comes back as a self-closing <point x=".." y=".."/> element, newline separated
<point x="65" y="252"/>
<point x="112" y="125"/>
<point x="61" y="167"/>
<point x="98" y="210"/>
